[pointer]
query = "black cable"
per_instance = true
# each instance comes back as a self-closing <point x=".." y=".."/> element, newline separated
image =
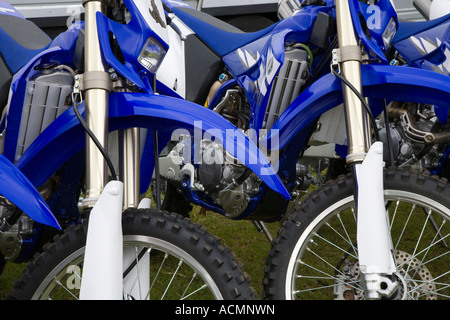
<point x="95" y="140"/>
<point x="363" y="101"/>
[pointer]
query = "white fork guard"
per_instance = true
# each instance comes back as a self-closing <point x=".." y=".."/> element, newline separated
<point x="373" y="236"/>
<point x="103" y="261"/>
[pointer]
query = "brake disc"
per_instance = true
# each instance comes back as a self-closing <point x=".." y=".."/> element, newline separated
<point x="417" y="276"/>
<point x="414" y="277"/>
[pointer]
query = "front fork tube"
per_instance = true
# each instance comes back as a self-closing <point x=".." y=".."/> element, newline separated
<point x="104" y="257"/>
<point x="96" y="102"/>
<point x="373" y="237"/>
<point x="102" y="268"/>
<point x="358" y="130"/>
<point x="103" y="265"/>
<point x="129" y="153"/>
<point x="136" y="279"/>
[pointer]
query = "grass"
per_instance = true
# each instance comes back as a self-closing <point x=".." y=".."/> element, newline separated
<point x="249" y="246"/>
<point x="8" y="278"/>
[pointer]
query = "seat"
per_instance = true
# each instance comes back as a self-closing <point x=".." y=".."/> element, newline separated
<point x="220" y="36"/>
<point x="20" y="40"/>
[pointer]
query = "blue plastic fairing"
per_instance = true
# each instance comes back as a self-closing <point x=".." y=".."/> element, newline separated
<point x="162" y="113"/>
<point x="370" y="22"/>
<point x="130" y="38"/>
<point x="379" y="82"/>
<point x="407" y="29"/>
<point x="15" y="187"/>
<point x="61" y="50"/>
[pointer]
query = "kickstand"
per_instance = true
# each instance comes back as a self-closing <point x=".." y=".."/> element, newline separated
<point x="262" y="228"/>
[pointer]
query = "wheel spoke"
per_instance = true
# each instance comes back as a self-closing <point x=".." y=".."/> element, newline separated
<point x="327" y="276"/>
<point x="404" y="227"/>
<point x="171" y="280"/>
<point x="326" y="256"/>
<point x="336" y="246"/>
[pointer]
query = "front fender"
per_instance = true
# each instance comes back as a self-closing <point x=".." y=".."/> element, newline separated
<point x="15" y="187"/>
<point x="380" y="82"/>
<point x="65" y="137"/>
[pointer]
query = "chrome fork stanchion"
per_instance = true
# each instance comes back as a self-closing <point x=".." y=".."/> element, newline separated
<point x="350" y="58"/>
<point x="129" y="153"/>
<point x="374" y="243"/>
<point x="96" y="84"/>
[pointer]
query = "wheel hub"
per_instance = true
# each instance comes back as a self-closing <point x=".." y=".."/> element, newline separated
<point x="413" y="278"/>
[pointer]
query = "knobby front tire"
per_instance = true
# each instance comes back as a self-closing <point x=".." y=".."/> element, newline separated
<point x="185" y="262"/>
<point x="315" y="255"/>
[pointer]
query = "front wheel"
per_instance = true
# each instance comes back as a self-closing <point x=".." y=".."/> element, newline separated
<point x="173" y="259"/>
<point x="315" y="255"/>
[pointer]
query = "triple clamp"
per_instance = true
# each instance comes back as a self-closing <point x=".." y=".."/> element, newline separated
<point x="92" y="80"/>
<point x="344" y="54"/>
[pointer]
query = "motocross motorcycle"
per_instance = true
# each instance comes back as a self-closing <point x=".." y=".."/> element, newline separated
<point x="421" y="45"/>
<point x="78" y="107"/>
<point x="276" y="86"/>
<point x="416" y="132"/>
<point x="409" y="123"/>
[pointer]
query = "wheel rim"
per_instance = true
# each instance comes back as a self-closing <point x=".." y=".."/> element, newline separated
<point x="324" y="263"/>
<point x="174" y="274"/>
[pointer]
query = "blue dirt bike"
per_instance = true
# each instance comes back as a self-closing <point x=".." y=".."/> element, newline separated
<point x="316" y="79"/>
<point x="76" y="113"/>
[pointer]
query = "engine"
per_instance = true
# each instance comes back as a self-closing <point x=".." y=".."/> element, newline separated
<point x="218" y="175"/>
<point x="15" y="227"/>
<point x="417" y="139"/>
